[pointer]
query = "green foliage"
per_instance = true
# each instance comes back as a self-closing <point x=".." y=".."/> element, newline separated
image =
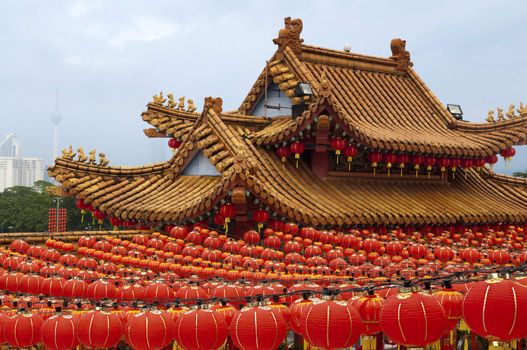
<point x="520" y="174"/>
<point x="25" y="209"/>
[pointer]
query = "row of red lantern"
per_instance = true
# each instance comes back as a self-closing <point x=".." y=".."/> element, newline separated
<point x="418" y="161"/>
<point x="413" y="319"/>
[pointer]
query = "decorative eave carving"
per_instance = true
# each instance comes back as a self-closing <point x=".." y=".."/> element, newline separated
<point x="289" y="36"/>
<point x="400" y="55"/>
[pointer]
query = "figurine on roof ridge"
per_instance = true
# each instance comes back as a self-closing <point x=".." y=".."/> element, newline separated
<point x="290" y="35"/>
<point x="400" y="54"/>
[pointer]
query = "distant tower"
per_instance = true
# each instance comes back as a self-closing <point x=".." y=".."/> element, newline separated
<point x="56" y="118"/>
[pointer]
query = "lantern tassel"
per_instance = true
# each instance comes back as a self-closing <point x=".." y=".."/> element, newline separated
<point x="260" y="225"/>
<point x="338" y="158"/>
<point x="297" y="163"/>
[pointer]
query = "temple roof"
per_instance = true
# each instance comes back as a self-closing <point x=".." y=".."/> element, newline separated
<point x="158" y="193"/>
<point x="380" y="102"/>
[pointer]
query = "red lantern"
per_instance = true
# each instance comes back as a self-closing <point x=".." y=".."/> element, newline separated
<point x="149" y="330"/>
<point x="59" y="332"/>
<point x="350" y="151"/>
<point x="74" y="288"/>
<point x="443" y="163"/>
<point x="466" y="164"/>
<point x="389" y="159"/>
<point x="494" y="309"/>
<point x="283" y="153"/>
<point x="374" y="157"/>
<point x="174" y="143"/>
<point x="491" y="160"/>
<point x="298" y="310"/>
<point x="158" y="292"/>
<point x="297" y="148"/>
<point x="454" y="164"/>
<point x="507" y="155"/>
<point x="52" y="286"/>
<point x="260" y="216"/>
<point x="369" y="308"/>
<point x="201" y="329"/>
<point x="227" y="211"/>
<point x="30" y="284"/>
<point x="480" y="163"/>
<point x="429" y="162"/>
<point x="452" y="301"/>
<point x="101" y="290"/>
<point x="332" y="325"/>
<point x="417" y="161"/>
<point x="99" y="329"/>
<point x="402" y="159"/>
<point x="338" y="146"/>
<point x="23" y="330"/>
<point x="413" y="319"/>
<point x="257" y="328"/>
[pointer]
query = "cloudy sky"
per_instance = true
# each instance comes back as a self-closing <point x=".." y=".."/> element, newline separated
<point x="107" y="59"/>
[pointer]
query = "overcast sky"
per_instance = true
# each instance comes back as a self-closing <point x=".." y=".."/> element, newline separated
<point x="107" y="59"/>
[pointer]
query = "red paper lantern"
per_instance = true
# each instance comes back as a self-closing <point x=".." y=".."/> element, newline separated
<point x="23" y="330"/>
<point x="390" y="159"/>
<point x="52" y="286"/>
<point x="101" y="290"/>
<point x="158" y="292"/>
<point x="332" y="325"/>
<point x="350" y="151"/>
<point x="297" y="148"/>
<point x="452" y="302"/>
<point x="257" y="328"/>
<point x="298" y="310"/>
<point x="59" y="332"/>
<point x="149" y="330"/>
<point x="369" y="308"/>
<point x="260" y="216"/>
<point x="374" y="157"/>
<point x="99" y="329"/>
<point x="30" y="284"/>
<point x="227" y="211"/>
<point x="251" y="236"/>
<point x="19" y="246"/>
<point x="413" y="319"/>
<point x="402" y="160"/>
<point x="283" y="153"/>
<point x="338" y="145"/>
<point x="74" y="288"/>
<point x="201" y="329"/>
<point x="174" y="143"/>
<point x="417" y="161"/>
<point x="491" y="160"/>
<point x="494" y="309"/>
<point x="429" y="162"/>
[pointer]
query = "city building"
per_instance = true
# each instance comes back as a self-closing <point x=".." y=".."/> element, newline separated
<point x="16" y="170"/>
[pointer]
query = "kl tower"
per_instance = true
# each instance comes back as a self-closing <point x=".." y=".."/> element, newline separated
<point x="56" y="118"/>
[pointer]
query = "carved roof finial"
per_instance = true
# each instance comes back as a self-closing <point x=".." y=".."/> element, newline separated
<point x="215" y="103"/>
<point x="290" y="35"/>
<point x="400" y="55"/>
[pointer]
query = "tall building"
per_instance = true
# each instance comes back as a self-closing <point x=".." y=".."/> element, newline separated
<point x="16" y="170"/>
<point x="10" y="146"/>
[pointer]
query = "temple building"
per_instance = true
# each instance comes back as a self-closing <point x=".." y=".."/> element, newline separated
<point x="326" y="138"/>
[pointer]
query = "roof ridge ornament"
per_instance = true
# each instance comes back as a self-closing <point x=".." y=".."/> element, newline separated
<point x="289" y="36"/>
<point x="215" y="103"/>
<point x="325" y="86"/>
<point x="400" y="54"/>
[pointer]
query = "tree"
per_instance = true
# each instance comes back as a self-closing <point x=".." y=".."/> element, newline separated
<point x="25" y="209"/>
<point x="520" y="174"/>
